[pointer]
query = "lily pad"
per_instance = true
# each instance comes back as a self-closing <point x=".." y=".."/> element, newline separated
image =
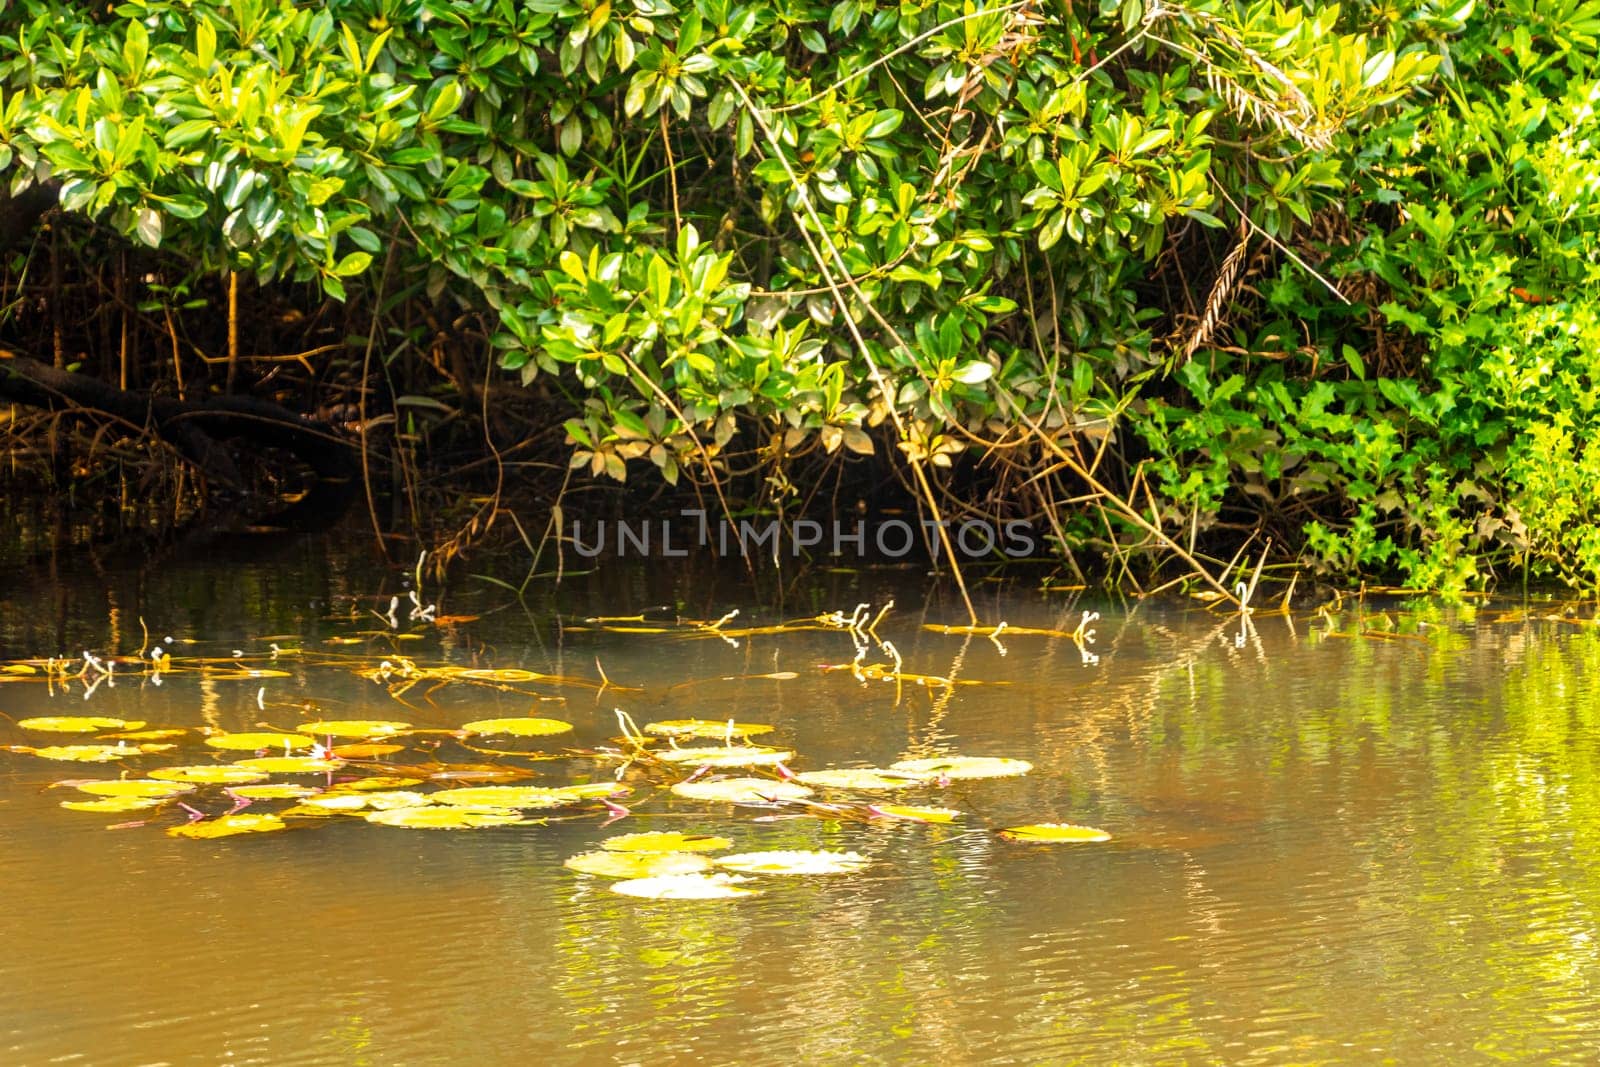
<point x="518" y="727"/>
<point x="166" y="734"/>
<point x="711" y="728"/>
<point x="637" y="864"/>
<point x="913" y="813"/>
<point x="873" y="778"/>
<point x="742" y="790"/>
<point x="794" y="862"/>
<point x="726" y="756"/>
<point x="136" y="787"/>
<point x="76" y="724"/>
<point x="363" y="729"/>
<point x="963" y="767"/>
<point x="83" y="753"/>
<point x="273" y="791"/>
<point x="504" y="796"/>
<point x="664" y="841"/>
<point x="367" y="750"/>
<point x="256" y="742"/>
<point x="684" y="887"/>
<point x="291" y="764"/>
<point x="210" y="774"/>
<point x="591" y="790"/>
<point x="446" y="818"/>
<point x="103" y="805"/>
<point x="230" y="825"/>
<point x="1053" y="833"/>
<point x="381" y="781"/>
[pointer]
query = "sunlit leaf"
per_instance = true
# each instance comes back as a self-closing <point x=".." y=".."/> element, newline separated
<point x="230" y="825"/>
<point x="272" y="791"/>
<point x="711" y="728"/>
<point x="684" y="887"/>
<point x="1050" y="833"/>
<point x="365" y="729"/>
<point x="367" y="750"/>
<point x="664" y="841"/>
<point x="484" y="773"/>
<point x="209" y="774"/>
<point x="291" y="764"/>
<point x="76" y="724"/>
<point x="637" y="864"/>
<point x="448" y="818"/>
<point x="742" y="790"/>
<point x="382" y="781"/>
<point x="860" y="778"/>
<point x="135" y="787"/>
<point x="793" y="862"/>
<point x="726" y="756"/>
<point x="505" y="796"/>
<point x="591" y="790"/>
<point x="103" y="805"/>
<point x="916" y="814"/>
<point x="167" y="734"/>
<point x="518" y="727"/>
<point x="963" y="767"/>
<point x="256" y="742"/>
<point x="82" y="753"/>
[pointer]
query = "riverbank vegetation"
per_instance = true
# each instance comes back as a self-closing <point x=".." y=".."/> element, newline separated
<point x="1178" y="283"/>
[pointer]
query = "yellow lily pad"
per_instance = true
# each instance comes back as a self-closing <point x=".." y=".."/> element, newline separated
<point x="518" y="727"/>
<point x="664" y="841"/>
<point x="103" y="805"/>
<point x="793" y="862"/>
<point x="872" y="778"/>
<point x="726" y="756"/>
<point x="166" y="734"/>
<point x="82" y="753"/>
<point x="709" y="728"/>
<point x="446" y="818"/>
<point x="684" y="887"/>
<point x="18" y="669"/>
<point x="291" y="764"/>
<point x="637" y="864"/>
<point x="229" y="826"/>
<point x="963" y="767"/>
<point x="504" y="796"/>
<point x="363" y="729"/>
<point x="913" y="813"/>
<point x="367" y="750"/>
<point x="76" y="724"/>
<point x="1053" y="833"/>
<point x="742" y="790"/>
<point x="255" y="742"/>
<point x="136" y="787"/>
<point x="381" y="781"/>
<point x="209" y="774"/>
<point x="273" y="791"/>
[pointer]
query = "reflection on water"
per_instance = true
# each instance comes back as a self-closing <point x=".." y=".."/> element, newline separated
<point x="1340" y="839"/>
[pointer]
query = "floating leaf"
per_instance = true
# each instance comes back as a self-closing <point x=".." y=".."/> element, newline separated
<point x="964" y="767"/>
<point x="76" y="724"/>
<point x="860" y="778"/>
<point x="1051" y="833"/>
<point x="18" y="669"/>
<point x="518" y="727"/>
<point x="794" y="862"/>
<point x="505" y="796"/>
<point x="637" y="864"/>
<point x="431" y="818"/>
<point x="81" y="753"/>
<point x="135" y="787"/>
<point x="366" y="750"/>
<point x="381" y="781"/>
<point x="114" y="804"/>
<point x="209" y="774"/>
<point x="325" y="804"/>
<point x="291" y="764"/>
<point x="272" y="791"/>
<point x="229" y="825"/>
<point x="705" y="728"/>
<point x="684" y="887"/>
<point x="485" y="773"/>
<point x="906" y="811"/>
<point x="664" y="841"/>
<point x="742" y="790"/>
<point x="726" y="756"/>
<point x="591" y="790"/>
<point x="255" y="742"/>
<point x="149" y="735"/>
<point x="364" y="729"/>
<point x="504" y="674"/>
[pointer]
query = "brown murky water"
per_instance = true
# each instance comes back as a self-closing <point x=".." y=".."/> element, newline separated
<point x="1328" y="847"/>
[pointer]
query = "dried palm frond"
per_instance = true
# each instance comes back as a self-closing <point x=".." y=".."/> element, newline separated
<point x="1221" y="291"/>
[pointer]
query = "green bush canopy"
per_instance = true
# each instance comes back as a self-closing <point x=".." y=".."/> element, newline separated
<point x="1164" y="275"/>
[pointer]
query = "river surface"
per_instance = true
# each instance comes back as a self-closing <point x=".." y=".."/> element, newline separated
<point x="1367" y="836"/>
